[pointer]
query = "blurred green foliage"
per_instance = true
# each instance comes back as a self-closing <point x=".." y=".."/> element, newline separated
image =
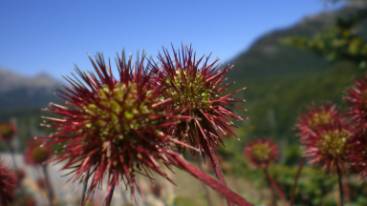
<point x="315" y="187"/>
<point x="339" y="42"/>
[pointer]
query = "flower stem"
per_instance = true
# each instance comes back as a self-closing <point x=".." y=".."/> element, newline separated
<point x="273" y="194"/>
<point x="181" y="163"/>
<point x="340" y="184"/>
<point x="208" y="198"/>
<point x="346" y="186"/>
<point x="217" y="169"/>
<point x="296" y="180"/>
<point x="50" y="191"/>
<point x="84" y="192"/>
<point x="12" y="154"/>
<point x="109" y="196"/>
<point x="274" y="186"/>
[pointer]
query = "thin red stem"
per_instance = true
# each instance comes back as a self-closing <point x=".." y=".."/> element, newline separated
<point x="273" y="193"/>
<point x="109" y="196"/>
<point x="217" y="169"/>
<point x="181" y="163"/>
<point x="346" y="186"/>
<point x="296" y="180"/>
<point x="12" y="153"/>
<point x="340" y="183"/>
<point x="274" y="186"/>
<point x="50" y="190"/>
<point x="85" y="187"/>
<point x="206" y="189"/>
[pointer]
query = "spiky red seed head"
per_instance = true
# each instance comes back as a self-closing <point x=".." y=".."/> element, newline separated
<point x="7" y="131"/>
<point x="357" y="155"/>
<point x="328" y="146"/>
<point x="325" y="136"/>
<point x="261" y="152"/>
<point x="315" y="118"/>
<point x="197" y="89"/>
<point x="112" y="127"/>
<point x="8" y="183"/>
<point x="357" y="99"/>
<point x="37" y="152"/>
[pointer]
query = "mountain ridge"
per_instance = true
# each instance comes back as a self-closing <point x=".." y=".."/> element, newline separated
<point x="23" y="93"/>
<point x="268" y="56"/>
<point x="10" y="80"/>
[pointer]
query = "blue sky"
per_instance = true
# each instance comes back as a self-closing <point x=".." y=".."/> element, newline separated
<point x="53" y="35"/>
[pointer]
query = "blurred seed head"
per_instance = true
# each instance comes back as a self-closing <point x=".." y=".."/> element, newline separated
<point x="261" y="152"/>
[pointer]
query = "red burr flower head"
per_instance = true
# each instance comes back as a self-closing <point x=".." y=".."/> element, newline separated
<point x="357" y="156"/>
<point x="328" y="146"/>
<point x="197" y="90"/>
<point x="7" y="131"/>
<point x="325" y="136"/>
<point x="261" y="152"/>
<point x="315" y="118"/>
<point x="37" y="152"/>
<point x="111" y="127"/>
<point x="357" y="99"/>
<point x="8" y="184"/>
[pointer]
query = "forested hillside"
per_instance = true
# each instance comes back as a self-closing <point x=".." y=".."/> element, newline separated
<point x="282" y="80"/>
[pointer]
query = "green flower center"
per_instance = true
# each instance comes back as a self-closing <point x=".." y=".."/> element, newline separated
<point x="189" y="90"/>
<point x="5" y="130"/>
<point x="40" y="154"/>
<point x="334" y="142"/>
<point x="321" y="118"/>
<point x="261" y="152"/>
<point x="116" y="111"/>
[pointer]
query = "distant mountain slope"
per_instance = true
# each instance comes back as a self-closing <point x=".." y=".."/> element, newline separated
<point x="282" y="81"/>
<point x="21" y="93"/>
<point x="268" y="57"/>
<point x="11" y="81"/>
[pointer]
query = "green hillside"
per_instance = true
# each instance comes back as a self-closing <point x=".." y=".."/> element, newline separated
<point x="282" y="81"/>
<point x="270" y="57"/>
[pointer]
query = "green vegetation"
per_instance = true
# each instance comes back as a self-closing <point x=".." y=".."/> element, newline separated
<point x="282" y="80"/>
